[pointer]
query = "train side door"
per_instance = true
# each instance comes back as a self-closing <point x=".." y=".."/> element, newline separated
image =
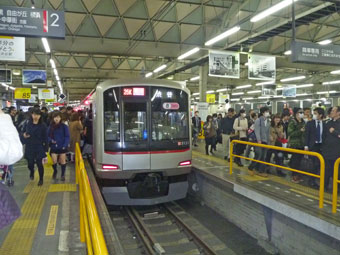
<point x="136" y="152"/>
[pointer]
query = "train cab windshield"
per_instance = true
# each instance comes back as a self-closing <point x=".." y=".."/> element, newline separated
<point x="154" y="120"/>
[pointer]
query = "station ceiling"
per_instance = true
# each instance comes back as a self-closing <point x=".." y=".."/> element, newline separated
<point x="109" y="39"/>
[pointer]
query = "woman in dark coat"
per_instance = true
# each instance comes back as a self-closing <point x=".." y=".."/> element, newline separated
<point x="58" y="139"/>
<point x="35" y="138"/>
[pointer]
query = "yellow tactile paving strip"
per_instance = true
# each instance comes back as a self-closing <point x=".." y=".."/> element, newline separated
<point x="62" y="187"/>
<point x="19" y="239"/>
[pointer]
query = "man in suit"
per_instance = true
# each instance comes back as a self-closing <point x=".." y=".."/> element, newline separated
<point x="196" y="128"/>
<point x="313" y="140"/>
<point x="331" y="143"/>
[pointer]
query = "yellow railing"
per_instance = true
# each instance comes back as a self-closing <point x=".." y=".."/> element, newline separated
<point x="309" y="153"/>
<point x="335" y="185"/>
<point x="90" y="228"/>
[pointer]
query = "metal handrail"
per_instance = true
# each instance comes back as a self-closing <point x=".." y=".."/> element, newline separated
<point x="335" y="185"/>
<point x="310" y="153"/>
<point x="90" y="228"/>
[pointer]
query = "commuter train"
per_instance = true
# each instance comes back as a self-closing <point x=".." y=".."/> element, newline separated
<point x="142" y="140"/>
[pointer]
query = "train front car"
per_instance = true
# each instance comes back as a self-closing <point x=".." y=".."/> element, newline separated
<point x="142" y="141"/>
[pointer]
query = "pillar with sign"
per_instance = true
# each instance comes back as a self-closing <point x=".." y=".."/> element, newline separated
<point x="203" y="81"/>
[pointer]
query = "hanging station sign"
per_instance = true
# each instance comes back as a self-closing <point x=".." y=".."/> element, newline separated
<point x="12" y="48"/>
<point x="210" y="98"/>
<point x="17" y="21"/>
<point x="261" y="67"/>
<point x="224" y="64"/>
<point x="46" y="93"/>
<point x="307" y="52"/>
<point x="22" y="93"/>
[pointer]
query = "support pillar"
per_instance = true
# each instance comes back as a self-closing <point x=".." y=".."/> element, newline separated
<point x="203" y="82"/>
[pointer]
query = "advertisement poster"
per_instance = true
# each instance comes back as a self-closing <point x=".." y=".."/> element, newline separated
<point x="261" y="67"/>
<point x="203" y="109"/>
<point x="224" y="64"/>
<point x="289" y="91"/>
<point x="33" y="77"/>
<point x="12" y="48"/>
<point x="269" y="90"/>
<point x="46" y="93"/>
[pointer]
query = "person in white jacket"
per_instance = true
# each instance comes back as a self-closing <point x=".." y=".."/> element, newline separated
<point x="10" y="146"/>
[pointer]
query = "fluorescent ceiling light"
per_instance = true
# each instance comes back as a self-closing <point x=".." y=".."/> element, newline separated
<point x="195" y="78"/>
<point x="304" y="85"/>
<point x="46" y="46"/>
<point x="265" y="83"/>
<point x="288" y="52"/>
<point x="195" y="94"/>
<point x="335" y="72"/>
<point x="5" y="85"/>
<point x="294" y="78"/>
<point x="275" y="8"/>
<point x="235" y="99"/>
<point x="59" y="83"/>
<point x="148" y="74"/>
<point x="55" y="71"/>
<point x="210" y="91"/>
<point x="248" y="98"/>
<point x="331" y="82"/>
<point x="326" y="92"/>
<point x="158" y="69"/>
<point x="12" y="88"/>
<point x="16" y="72"/>
<point x="222" y="36"/>
<point x="187" y="54"/>
<point x="264" y="97"/>
<point x="325" y="42"/>
<point x="277" y="89"/>
<point x="254" y="91"/>
<point x="57" y="78"/>
<point x="246" y="64"/>
<point x="303" y="94"/>
<point x="238" y="93"/>
<point x="243" y="86"/>
<point x="221" y="90"/>
<point x="52" y="63"/>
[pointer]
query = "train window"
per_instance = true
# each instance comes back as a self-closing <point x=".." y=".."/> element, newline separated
<point x="169" y="114"/>
<point x="135" y="122"/>
<point x="111" y="115"/>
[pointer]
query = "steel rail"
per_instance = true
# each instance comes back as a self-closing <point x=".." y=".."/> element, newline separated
<point x="202" y="243"/>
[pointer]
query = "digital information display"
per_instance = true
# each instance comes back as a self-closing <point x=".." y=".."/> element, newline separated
<point x="138" y="91"/>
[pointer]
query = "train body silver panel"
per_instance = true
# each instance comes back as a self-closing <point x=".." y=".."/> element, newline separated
<point x="131" y="164"/>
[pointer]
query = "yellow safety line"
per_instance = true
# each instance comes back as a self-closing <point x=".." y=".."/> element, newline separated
<point x="213" y="158"/>
<point x="62" y="187"/>
<point x="52" y="221"/>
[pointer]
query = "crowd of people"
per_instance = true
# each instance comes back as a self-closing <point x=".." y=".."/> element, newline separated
<point x="55" y="133"/>
<point x="302" y="129"/>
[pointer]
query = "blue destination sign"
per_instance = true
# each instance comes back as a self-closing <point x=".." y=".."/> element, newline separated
<point x="27" y="22"/>
<point x="307" y="52"/>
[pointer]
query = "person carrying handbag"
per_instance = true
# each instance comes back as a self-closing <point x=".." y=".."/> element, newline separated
<point x="210" y="134"/>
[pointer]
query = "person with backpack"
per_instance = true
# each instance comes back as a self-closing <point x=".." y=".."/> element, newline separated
<point x="241" y="127"/>
<point x="210" y="134"/>
<point x="35" y="139"/>
<point x="59" y="139"/>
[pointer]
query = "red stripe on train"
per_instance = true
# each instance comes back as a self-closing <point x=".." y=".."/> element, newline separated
<point x="145" y="152"/>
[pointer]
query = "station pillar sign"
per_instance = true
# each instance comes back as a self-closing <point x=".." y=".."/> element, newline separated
<point x="27" y="22"/>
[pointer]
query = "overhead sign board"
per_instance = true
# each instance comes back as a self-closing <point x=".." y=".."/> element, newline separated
<point x="17" y="21"/>
<point x="22" y="93"/>
<point x="307" y="52"/>
<point x="211" y="98"/>
<point x="46" y="93"/>
<point x="224" y="64"/>
<point x="12" y="48"/>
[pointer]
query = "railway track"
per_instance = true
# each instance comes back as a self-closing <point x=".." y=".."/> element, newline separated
<point x="164" y="229"/>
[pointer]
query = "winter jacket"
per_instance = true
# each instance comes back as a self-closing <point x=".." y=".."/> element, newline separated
<point x="331" y="141"/>
<point x="262" y="126"/>
<point x="296" y="136"/>
<point x="241" y="126"/>
<point x="275" y="132"/>
<point x="60" y="134"/>
<point x="10" y="146"/>
<point x="37" y="143"/>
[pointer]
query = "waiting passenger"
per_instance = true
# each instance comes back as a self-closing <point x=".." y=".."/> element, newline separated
<point x="296" y="130"/>
<point x="275" y="138"/>
<point x="59" y="139"/>
<point x="331" y="143"/>
<point x="313" y="140"/>
<point x="210" y="134"/>
<point x="76" y="129"/>
<point x="196" y="128"/>
<point x="35" y="139"/>
<point x="215" y="123"/>
<point x="251" y="132"/>
<point x="262" y="126"/>
<point x="227" y="129"/>
<point x="241" y="127"/>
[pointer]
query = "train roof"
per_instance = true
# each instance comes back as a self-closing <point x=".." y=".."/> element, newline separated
<point x="142" y="82"/>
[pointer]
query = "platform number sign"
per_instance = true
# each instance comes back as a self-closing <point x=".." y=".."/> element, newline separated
<point x="27" y="22"/>
<point x="22" y="93"/>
